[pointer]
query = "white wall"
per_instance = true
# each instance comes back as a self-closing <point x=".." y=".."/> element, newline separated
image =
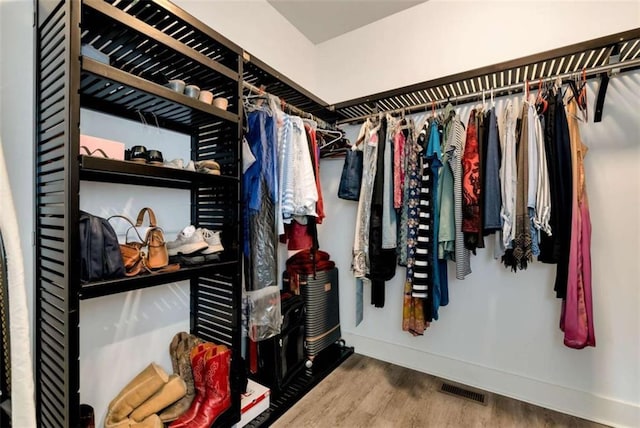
<point x="260" y="30"/>
<point x="500" y="330"/>
<point x="443" y="37"/>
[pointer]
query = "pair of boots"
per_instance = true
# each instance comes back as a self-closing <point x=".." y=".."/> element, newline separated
<point x="136" y="406"/>
<point x="153" y="390"/>
<point x="210" y="364"/>
<point x="180" y="351"/>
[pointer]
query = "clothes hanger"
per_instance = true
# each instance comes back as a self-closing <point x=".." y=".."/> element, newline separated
<point x="336" y="147"/>
<point x="541" y="103"/>
<point x="336" y="135"/>
<point x="449" y="113"/>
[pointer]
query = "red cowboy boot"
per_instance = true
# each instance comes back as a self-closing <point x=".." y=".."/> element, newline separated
<point x="218" y="389"/>
<point x="199" y="355"/>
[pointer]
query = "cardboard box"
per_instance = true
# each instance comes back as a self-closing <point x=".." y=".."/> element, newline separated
<point x="254" y="402"/>
<point x="113" y="149"/>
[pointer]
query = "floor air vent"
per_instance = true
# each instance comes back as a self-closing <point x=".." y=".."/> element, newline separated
<point x="461" y="392"/>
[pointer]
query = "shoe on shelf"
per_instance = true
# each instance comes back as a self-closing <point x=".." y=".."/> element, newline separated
<point x="187" y="242"/>
<point x="195" y="259"/>
<point x="208" y="167"/>
<point x="212" y="238"/>
<point x="175" y="163"/>
<point x="179" y="164"/>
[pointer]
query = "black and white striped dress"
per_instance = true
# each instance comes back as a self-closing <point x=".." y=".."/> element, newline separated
<point x="423" y="264"/>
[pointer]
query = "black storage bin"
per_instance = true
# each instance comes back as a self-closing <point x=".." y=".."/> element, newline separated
<point x="282" y="356"/>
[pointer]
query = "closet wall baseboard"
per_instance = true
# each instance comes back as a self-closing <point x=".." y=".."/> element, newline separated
<point x="560" y="398"/>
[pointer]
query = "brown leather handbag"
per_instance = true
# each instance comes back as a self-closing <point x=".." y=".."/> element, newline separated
<point x="157" y="254"/>
<point x="148" y="255"/>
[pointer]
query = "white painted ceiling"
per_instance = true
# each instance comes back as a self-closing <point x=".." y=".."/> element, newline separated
<point x="321" y="20"/>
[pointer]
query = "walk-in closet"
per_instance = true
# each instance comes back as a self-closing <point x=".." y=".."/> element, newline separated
<point x="268" y="212"/>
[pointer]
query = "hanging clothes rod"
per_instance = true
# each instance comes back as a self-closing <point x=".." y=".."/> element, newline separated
<point x="516" y="87"/>
<point x="258" y="91"/>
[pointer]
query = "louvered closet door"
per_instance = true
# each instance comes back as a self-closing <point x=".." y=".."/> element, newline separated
<point x="57" y="188"/>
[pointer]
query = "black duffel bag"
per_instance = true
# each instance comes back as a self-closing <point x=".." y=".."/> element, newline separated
<point x="100" y="256"/>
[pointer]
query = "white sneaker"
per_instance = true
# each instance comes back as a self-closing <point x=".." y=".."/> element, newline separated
<point x="212" y="238"/>
<point x="175" y="163"/>
<point x="187" y="242"/>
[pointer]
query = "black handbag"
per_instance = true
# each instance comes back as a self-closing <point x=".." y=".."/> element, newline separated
<point x="351" y="177"/>
<point x="100" y="256"/>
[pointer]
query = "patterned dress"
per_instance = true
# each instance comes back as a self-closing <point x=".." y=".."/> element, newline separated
<point x="412" y="313"/>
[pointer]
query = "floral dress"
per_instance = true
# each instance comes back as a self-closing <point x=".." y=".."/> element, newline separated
<point x="412" y="312"/>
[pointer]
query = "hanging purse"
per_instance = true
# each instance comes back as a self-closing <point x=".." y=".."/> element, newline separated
<point x="351" y="177"/>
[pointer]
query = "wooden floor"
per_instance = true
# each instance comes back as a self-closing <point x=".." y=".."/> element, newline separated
<point x="364" y="392"/>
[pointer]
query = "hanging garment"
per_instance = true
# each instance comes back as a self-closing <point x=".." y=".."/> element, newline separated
<point x="424" y="257"/>
<point x="471" y="222"/>
<point x="456" y="148"/>
<point x="492" y="191"/>
<point x="300" y="235"/>
<point x="482" y="127"/>
<point x="389" y="216"/>
<point x="402" y="137"/>
<point x="382" y="261"/>
<point x="260" y="190"/>
<point x="369" y="146"/>
<point x="447" y="222"/>
<point x="543" y="195"/>
<point x="508" y="176"/>
<point x="577" y="309"/>
<point x="315" y="161"/>
<point x="555" y="248"/>
<point x="399" y="165"/>
<point x="367" y="142"/>
<point x="413" y="310"/>
<point x="534" y="170"/>
<point x="298" y="191"/>
<point x="520" y="255"/>
<point x="440" y="295"/>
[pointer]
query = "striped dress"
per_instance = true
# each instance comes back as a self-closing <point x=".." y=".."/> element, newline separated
<point x="456" y="148"/>
<point x="423" y="264"/>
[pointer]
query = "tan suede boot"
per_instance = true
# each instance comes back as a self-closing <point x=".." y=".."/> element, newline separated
<point x="171" y="392"/>
<point x="136" y="392"/>
<point x="152" y="421"/>
<point x="173" y="348"/>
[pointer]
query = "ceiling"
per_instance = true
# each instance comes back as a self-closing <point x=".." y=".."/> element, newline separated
<point x="321" y="20"/>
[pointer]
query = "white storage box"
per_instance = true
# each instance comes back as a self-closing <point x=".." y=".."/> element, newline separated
<point x="254" y="402"/>
<point x="113" y="149"/>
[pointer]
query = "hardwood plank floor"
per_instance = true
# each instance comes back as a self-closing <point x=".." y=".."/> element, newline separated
<point x="364" y="392"/>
